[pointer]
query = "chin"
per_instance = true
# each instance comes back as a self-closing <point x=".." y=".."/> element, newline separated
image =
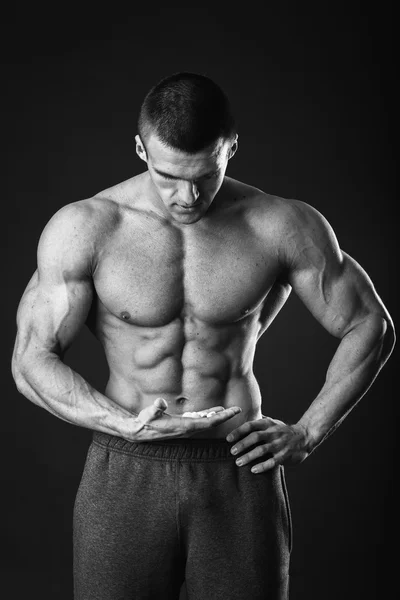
<point x="188" y="219"/>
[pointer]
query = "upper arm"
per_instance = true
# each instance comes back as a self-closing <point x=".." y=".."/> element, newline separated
<point x="58" y="297"/>
<point x="333" y="286"/>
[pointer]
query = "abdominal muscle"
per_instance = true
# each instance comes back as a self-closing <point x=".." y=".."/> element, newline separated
<point x="194" y="366"/>
<point x="242" y="392"/>
<point x="202" y="383"/>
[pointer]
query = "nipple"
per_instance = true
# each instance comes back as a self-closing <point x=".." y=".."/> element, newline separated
<point x="244" y="311"/>
<point x="125" y="315"/>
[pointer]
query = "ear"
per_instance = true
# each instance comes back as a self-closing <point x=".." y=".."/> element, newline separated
<point x="234" y="147"/>
<point x="140" y="149"/>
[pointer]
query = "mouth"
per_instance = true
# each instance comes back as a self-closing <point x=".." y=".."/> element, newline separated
<point x="189" y="208"/>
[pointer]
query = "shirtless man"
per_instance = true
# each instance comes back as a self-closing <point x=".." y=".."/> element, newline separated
<point x="178" y="272"/>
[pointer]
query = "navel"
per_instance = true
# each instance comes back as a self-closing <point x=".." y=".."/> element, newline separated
<point x="181" y="399"/>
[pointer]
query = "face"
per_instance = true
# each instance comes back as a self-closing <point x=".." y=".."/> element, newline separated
<point x="186" y="184"/>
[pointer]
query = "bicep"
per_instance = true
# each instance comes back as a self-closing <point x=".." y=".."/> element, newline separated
<point x="332" y="285"/>
<point x="339" y="296"/>
<point x="50" y="315"/>
<point x="58" y="297"/>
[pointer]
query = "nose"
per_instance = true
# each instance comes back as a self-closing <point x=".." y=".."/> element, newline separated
<point x="190" y="193"/>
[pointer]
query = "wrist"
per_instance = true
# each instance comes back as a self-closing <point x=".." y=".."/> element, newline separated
<point x="311" y="436"/>
<point x="129" y="428"/>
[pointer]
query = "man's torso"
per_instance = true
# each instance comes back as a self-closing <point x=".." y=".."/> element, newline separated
<point x="179" y="309"/>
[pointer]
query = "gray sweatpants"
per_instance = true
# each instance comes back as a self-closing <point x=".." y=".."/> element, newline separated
<point x="149" y="515"/>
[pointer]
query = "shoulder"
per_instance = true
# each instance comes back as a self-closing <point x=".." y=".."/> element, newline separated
<point x="306" y="239"/>
<point x="285" y="214"/>
<point x="264" y="210"/>
<point x="75" y="231"/>
<point x="261" y="206"/>
<point x="293" y="228"/>
<point x="90" y="217"/>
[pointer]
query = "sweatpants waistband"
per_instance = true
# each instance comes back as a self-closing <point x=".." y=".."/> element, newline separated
<point x="206" y="449"/>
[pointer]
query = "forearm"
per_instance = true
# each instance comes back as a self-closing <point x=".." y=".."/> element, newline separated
<point x="51" y="384"/>
<point x="358" y="359"/>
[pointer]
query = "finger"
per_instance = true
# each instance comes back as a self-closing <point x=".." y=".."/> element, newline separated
<point x="271" y="463"/>
<point x="161" y="403"/>
<point x="213" y="409"/>
<point x="262" y="451"/>
<point x="153" y="411"/>
<point x="271" y="430"/>
<point x="246" y="428"/>
<point x="214" y="420"/>
<point x="271" y="420"/>
<point x="249" y="440"/>
<point x="256" y="437"/>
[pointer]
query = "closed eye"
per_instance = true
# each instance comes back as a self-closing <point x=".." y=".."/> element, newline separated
<point x="173" y="178"/>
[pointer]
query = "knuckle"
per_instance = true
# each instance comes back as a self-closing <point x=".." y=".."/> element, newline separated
<point x="256" y="453"/>
<point x="259" y="451"/>
<point x="275" y="443"/>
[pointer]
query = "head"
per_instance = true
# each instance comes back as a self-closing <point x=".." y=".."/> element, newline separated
<point x="186" y="136"/>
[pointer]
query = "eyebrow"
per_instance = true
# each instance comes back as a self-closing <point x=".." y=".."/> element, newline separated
<point x="164" y="174"/>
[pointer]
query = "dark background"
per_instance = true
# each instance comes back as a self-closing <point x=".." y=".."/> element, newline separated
<point x="314" y="95"/>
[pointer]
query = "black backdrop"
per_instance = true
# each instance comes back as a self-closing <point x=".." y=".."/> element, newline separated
<point x="313" y="92"/>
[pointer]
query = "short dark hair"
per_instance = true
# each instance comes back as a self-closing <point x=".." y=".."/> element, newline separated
<point x="187" y="112"/>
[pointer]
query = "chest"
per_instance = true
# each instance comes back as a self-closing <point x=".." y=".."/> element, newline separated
<point x="151" y="275"/>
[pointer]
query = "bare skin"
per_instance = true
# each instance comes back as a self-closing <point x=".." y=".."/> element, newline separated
<point x="178" y="277"/>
